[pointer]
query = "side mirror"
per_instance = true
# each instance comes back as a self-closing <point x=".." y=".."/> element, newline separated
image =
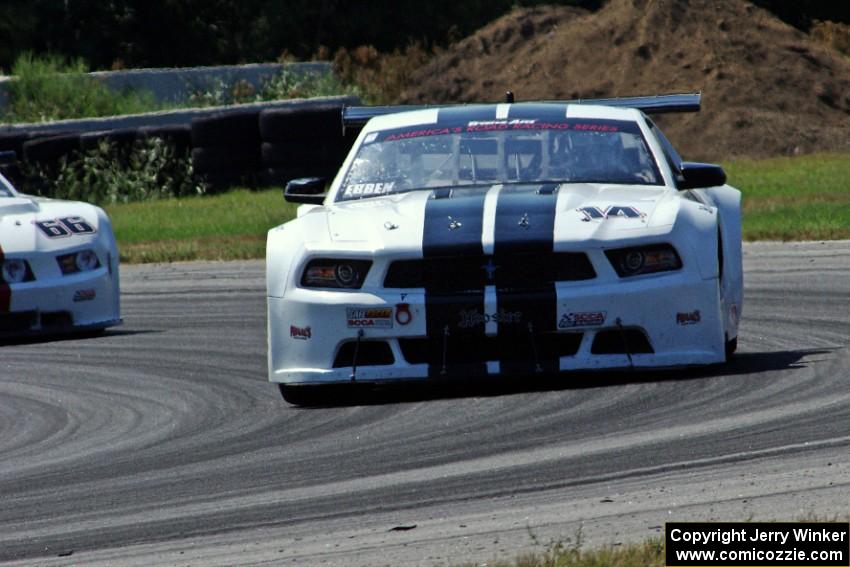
<point x="309" y="190"/>
<point x="701" y="175"/>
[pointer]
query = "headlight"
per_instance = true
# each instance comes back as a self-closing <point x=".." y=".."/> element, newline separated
<point x="82" y="261"/>
<point x="16" y="270"/>
<point x="644" y="260"/>
<point x="341" y="273"/>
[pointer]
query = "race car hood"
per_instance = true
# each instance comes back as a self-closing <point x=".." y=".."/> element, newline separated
<point x="20" y="217"/>
<point x="568" y="212"/>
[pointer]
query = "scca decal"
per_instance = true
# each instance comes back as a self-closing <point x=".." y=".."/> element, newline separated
<point x="614" y="211"/>
<point x="369" y="317"/>
<point x="64" y="227"/>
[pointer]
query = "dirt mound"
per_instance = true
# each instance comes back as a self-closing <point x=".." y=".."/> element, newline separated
<point x="768" y="89"/>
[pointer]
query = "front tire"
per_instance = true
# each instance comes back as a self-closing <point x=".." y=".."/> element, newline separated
<point x="731" y="347"/>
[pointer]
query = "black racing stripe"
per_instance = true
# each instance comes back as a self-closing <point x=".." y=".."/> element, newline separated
<point x="453" y="226"/>
<point x="527" y="303"/>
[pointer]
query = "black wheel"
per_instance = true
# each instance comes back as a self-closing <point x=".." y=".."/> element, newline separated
<point x="731" y="347"/>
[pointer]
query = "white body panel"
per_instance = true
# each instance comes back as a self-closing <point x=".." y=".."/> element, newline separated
<point x="53" y="301"/>
<point x="686" y="315"/>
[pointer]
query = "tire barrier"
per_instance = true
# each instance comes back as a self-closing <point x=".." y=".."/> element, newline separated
<point x="226" y="149"/>
<point x="305" y="142"/>
<point x="121" y="138"/>
<point x="51" y="149"/>
<point x="180" y="137"/>
<point x="285" y="124"/>
<point x="258" y="144"/>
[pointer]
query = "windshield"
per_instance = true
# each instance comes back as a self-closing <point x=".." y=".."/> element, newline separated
<point x="499" y="151"/>
<point x="5" y="188"/>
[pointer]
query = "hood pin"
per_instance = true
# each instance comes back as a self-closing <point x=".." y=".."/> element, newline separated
<point x="454" y="224"/>
<point x="389" y="225"/>
<point x="524" y="222"/>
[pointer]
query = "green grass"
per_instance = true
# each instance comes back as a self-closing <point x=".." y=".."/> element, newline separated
<point x="230" y="226"/>
<point x="798" y="198"/>
<point x="802" y="198"/>
<point x="49" y="88"/>
<point x="647" y="554"/>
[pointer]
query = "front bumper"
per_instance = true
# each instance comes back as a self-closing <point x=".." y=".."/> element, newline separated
<point x="667" y="320"/>
<point x="77" y="302"/>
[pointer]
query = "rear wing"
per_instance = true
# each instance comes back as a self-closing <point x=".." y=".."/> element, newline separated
<point x="358" y="116"/>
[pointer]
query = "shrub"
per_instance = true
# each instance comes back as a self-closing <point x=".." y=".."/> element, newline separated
<point x="380" y="77"/>
<point x="286" y="84"/>
<point x="833" y="34"/>
<point x="47" y="88"/>
<point x="148" y="169"/>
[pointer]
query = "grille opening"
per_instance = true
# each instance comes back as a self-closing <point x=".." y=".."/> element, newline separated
<point x="369" y="353"/>
<point x="510" y="271"/>
<point x="56" y="320"/>
<point x="632" y="341"/>
<point x="477" y="349"/>
<point x="17" y="322"/>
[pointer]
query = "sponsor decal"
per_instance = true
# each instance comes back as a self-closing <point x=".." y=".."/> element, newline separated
<point x="470" y="318"/>
<point x="420" y="133"/>
<point x="582" y="319"/>
<point x="614" y="211"/>
<point x="459" y="126"/>
<point x="300" y="333"/>
<point x="64" y="227"/>
<point x="363" y="189"/>
<point x="369" y="317"/>
<point x="403" y="316"/>
<point x="84" y="295"/>
<point x="691" y="318"/>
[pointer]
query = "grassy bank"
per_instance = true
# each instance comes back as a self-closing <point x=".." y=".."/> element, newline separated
<point x="231" y="226"/>
<point x="647" y="554"/>
<point x="803" y="198"/>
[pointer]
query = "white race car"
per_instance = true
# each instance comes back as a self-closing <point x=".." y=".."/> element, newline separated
<point x="58" y="266"/>
<point x="504" y="239"/>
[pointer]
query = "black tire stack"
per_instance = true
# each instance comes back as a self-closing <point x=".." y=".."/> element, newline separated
<point x="14" y="142"/>
<point x="226" y="148"/>
<point x="248" y="146"/>
<point x="302" y="142"/>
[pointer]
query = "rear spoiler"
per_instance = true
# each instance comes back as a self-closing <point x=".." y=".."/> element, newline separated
<point x="358" y="116"/>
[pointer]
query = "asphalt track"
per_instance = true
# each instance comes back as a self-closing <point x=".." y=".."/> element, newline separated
<point x="161" y="442"/>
